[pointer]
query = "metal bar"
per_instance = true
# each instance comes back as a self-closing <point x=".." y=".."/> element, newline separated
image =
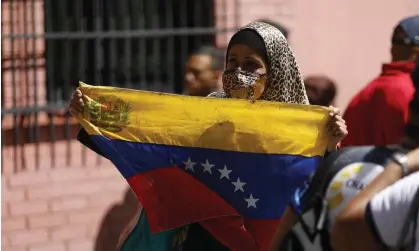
<point x="52" y="138"/>
<point x="68" y="139"/>
<point x="81" y="49"/>
<point x="54" y="48"/>
<point x="29" y="110"/>
<point x="152" y="33"/>
<point x="135" y="14"/>
<point x="142" y="47"/>
<point x="26" y="67"/>
<point x="14" y="90"/>
<point x="98" y="60"/>
<point x="111" y="45"/>
<point x="66" y="75"/>
<point x="184" y="52"/>
<point x="18" y="66"/>
<point x="23" y="81"/>
<point x="197" y="21"/>
<point x="35" y="87"/>
<point x="126" y="25"/>
<point x="155" y="84"/>
<point x="117" y="44"/>
<point x="170" y="49"/>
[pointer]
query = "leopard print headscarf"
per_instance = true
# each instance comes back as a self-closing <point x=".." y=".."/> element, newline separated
<point x="284" y="82"/>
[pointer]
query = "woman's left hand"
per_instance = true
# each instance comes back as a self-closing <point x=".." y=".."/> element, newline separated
<point x="336" y="128"/>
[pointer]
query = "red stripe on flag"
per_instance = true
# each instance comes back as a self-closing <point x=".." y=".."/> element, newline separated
<point x="173" y="198"/>
<point x="191" y="202"/>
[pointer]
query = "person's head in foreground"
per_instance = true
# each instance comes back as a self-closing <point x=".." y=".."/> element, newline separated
<point x="383" y="216"/>
<point x="261" y="65"/>
<point x="321" y="90"/>
<point x="405" y="40"/>
<point x="203" y="71"/>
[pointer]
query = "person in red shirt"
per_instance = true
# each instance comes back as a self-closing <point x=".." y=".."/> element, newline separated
<point x="378" y="113"/>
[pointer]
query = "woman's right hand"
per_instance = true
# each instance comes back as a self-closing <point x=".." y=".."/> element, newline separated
<point x="76" y="105"/>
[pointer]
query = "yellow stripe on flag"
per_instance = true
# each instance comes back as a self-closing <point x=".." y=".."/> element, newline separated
<point x="224" y="124"/>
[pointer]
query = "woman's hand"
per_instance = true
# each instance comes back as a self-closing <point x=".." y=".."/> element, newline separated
<point x="76" y="105"/>
<point x="336" y="128"/>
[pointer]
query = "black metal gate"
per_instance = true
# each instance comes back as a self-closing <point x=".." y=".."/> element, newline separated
<point x="138" y="44"/>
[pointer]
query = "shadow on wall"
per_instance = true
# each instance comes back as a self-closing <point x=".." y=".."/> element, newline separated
<point x="114" y="222"/>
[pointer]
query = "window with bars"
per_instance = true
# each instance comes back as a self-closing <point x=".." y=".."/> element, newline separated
<point x="136" y="44"/>
<point x="49" y="45"/>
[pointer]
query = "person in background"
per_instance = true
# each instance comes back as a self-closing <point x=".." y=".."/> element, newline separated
<point x="378" y="113"/>
<point x="280" y="27"/>
<point x="321" y="90"/>
<point x="203" y="71"/>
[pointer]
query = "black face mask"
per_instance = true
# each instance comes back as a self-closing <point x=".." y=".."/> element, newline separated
<point x="239" y="80"/>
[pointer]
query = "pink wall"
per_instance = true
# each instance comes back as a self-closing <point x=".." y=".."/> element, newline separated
<point x="347" y="40"/>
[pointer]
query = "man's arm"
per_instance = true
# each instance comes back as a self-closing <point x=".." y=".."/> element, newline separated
<point x="129" y="227"/>
<point x="352" y="230"/>
<point x="289" y="219"/>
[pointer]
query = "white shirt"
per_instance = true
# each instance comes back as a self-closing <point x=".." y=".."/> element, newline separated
<point x="389" y="208"/>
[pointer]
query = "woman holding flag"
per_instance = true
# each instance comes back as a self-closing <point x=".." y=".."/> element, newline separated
<point x="259" y="66"/>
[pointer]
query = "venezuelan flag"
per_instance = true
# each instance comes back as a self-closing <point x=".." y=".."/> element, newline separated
<point x="231" y="165"/>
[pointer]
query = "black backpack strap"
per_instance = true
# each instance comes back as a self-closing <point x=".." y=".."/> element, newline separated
<point x="313" y="197"/>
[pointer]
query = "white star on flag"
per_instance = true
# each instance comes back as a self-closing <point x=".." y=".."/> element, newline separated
<point x="207" y="166"/>
<point x="189" y="165"/>
<point x="225" y="173"/>
<point x="238" y="185"/>
<point x="251" y="202"/>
